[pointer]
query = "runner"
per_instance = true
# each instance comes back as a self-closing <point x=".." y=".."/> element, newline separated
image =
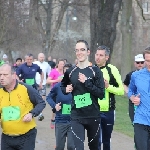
<point x="86" y="84"/>
<point x="54" y="77"/>
<point x="62" y="104"/>
<point x="46" y="70"/>
<point x="139" y="64"/>
<point x="19" y="104"/>
<point x="139" y="94"/>
<point x="18" y="63"/>
<point x="28" y="71"/>
<point x="113" y="86"/>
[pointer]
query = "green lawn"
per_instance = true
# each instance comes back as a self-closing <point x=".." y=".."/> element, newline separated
<point x="122" y="121"/>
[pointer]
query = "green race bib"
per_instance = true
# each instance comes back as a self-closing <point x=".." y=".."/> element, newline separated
<point x="29" y="81"/>
<point x="11" y="113"/>
<point x="66" y="109"/>
<point x="83" y="100"/>
<point x="61" y="77"/>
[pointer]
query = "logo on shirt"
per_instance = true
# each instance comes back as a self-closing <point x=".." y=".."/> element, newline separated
<point x="33" y="69"/>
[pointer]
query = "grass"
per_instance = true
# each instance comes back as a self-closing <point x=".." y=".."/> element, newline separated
<point x="122" y="121"/>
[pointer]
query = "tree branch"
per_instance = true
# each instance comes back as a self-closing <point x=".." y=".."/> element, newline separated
<point x="141" y="10"/>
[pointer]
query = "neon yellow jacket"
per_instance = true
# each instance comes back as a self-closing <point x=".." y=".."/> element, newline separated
<point x="112" y="75"/>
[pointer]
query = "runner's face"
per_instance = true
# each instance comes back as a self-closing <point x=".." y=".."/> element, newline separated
<point x="19" y="62"/>
<point x="81" y="52"/>
<point x="61" y="65"/>
<point x="147" y="61"/>
<point x="41" y="58"/>
<point x="29" y="60"/>
<point x="139" y="65"/>
<point x="101" y="58"/>
<point x="6" y="77"/>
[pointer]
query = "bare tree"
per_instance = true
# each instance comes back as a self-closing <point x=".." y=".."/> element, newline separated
<point x="126" y="29"/>
<point x="48" y="37"/>
<point x="103" y="17"/>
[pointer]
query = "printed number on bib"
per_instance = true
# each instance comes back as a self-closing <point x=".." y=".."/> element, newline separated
<point x="83" y="100"/>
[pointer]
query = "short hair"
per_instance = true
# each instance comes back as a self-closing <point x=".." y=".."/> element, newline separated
<point x="13" y="70"/>
<point x="105" y="48"/>
<point x="19" y="59"/>
<point x="85" y="42"/>
<point x="28" y="55"/>
<point x="146" y="51"/>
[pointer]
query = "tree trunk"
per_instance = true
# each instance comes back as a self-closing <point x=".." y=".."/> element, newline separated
<point x="64" y="6"/>
<point x="103" y="17"/>
<point x="126" y="37"/>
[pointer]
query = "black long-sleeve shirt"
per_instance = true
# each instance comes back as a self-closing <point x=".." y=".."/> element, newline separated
<point x="85" y="95"/>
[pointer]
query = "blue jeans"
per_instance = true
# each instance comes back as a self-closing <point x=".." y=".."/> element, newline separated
<point x="92" y="125"/>
<point x="107" y="123"/>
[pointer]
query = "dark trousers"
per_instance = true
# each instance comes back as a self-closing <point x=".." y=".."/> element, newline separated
<point x="107" y="123"/>
<point x="92" y="125"/>
<point x="142" y="136"/>
<point x="22" y="142"/>
<point x="131" y="111"/>
<point x="63" y="131"/>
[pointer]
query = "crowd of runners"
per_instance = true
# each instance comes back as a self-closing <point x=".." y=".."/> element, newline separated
<point x="81" y="97"/>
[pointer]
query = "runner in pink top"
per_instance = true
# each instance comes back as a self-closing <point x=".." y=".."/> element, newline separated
<point x="55" y="75"/>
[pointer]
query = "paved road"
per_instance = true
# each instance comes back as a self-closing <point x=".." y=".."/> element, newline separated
<point x="46" y="136"/>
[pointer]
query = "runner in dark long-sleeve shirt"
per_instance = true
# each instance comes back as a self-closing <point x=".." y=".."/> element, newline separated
<point x="87" y="85"/>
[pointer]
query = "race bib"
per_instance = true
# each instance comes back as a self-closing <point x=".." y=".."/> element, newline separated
<point x="29" y="81"/>
<point x="11" y="113"/>
<point x="61" y="77"/>
<point x="83" y="100"/>
<point x="66" y="109"/>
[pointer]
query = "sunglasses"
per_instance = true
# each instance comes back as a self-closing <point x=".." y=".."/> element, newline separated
<point x="140" y="62"/>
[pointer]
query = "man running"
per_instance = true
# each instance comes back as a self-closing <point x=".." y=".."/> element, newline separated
<point x="113" y="86"/>
<point x="86" y="84"/>
<point x="28" y="71"/>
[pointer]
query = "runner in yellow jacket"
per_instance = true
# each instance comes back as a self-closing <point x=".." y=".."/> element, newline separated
<point x="113" y="86"/>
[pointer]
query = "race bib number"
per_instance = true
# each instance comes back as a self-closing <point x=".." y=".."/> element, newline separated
<point x="11" y="113"/>
<point x="29" y="81"/>
<point x="66" y="109"/>
<point x="83" y="100"/>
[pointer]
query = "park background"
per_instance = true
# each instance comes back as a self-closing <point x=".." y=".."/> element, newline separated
<point x="54" y="26"/>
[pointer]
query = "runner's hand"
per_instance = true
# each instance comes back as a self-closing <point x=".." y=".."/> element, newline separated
<point x="106" y="83"/>
<point x="82" y="77"/>
<point x="58" y="106"/>
<point x="27" y="117"/>
<point x="136" y="100"/>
